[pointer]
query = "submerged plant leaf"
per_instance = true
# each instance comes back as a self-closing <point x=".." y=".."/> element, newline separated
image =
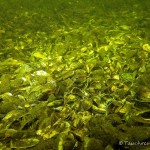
<point x="23" y="143"/>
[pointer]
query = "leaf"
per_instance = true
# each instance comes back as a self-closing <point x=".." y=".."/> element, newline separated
<point x="128" y="76"/>
<point x="24" y="143"/>
<point x="55" y="103"/>
<point x="12" y="115"/>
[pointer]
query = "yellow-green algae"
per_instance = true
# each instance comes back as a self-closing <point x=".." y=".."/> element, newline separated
<point x="74" y="75"/>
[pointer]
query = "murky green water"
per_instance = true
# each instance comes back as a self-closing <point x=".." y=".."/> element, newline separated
<point x="74" y="75"/>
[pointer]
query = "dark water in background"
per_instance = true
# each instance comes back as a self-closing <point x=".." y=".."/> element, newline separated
<point x="52" y="7"/>
<point x="74" y="12"/>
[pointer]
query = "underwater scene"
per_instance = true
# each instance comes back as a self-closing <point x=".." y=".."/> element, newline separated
<point x="75" y="74"/>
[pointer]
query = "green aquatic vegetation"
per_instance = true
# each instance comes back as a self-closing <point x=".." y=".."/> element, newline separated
<point x="24" y="143"/>
<point x="75" y="78"/>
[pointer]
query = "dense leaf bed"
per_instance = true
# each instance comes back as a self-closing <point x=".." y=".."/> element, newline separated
<point x="74" y="77"/>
